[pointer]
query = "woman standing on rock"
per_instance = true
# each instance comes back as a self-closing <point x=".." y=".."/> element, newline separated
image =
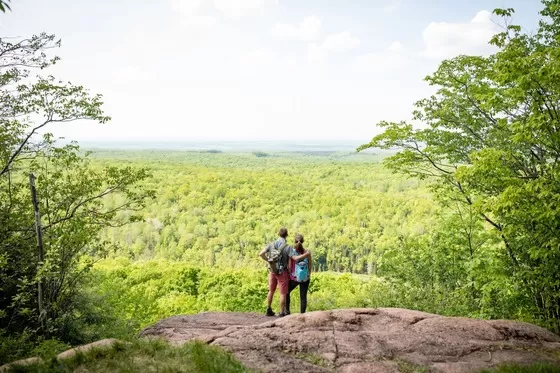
<point x="300" y="275"/>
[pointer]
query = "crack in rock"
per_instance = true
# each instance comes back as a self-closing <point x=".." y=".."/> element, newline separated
<point x="335" y="344"/>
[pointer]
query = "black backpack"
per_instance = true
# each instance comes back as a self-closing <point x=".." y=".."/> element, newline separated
<point x="275" y="258"/>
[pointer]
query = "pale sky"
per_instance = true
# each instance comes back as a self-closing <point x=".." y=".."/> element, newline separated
<point x="255" y="69"/>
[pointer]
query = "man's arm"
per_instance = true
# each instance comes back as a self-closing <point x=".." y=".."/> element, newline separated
<point x="263" y="254"/>
<point x="306" y="254"/>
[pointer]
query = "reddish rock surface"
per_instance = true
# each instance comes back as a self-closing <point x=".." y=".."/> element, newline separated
<point x="364" y="340"/>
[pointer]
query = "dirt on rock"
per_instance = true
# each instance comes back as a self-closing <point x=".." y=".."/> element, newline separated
<point x="364" y="340"/>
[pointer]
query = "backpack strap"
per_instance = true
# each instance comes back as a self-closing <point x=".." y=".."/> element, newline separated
<point x="281" y="257"/>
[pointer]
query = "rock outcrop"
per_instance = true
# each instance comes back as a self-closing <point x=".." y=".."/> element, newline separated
<point x="364" y="340"/>
<point x="68" y="354"/>
<point x="20" y="363"/>
<point x="102" y="344"/>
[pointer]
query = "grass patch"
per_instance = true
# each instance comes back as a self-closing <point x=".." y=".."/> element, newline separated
<point x="315" y="359"/>
<point x="145" y="356"/>
<point x="408" y="367"/>
<point x="533" y="368"/>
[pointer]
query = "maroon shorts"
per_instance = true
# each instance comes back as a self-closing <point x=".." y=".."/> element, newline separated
<point x="282" y="281"/>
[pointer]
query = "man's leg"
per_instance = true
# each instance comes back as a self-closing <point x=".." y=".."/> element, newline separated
<point x="283" y="284"/>
<point x="303" y="288"/>
<point x="291" y="286"/>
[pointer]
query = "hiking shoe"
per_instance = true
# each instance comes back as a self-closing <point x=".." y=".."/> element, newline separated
<point x="269" y="312"/>
<point x="282" y="314"/>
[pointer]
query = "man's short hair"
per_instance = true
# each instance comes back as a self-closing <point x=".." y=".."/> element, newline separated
<point x="283" y="232"/>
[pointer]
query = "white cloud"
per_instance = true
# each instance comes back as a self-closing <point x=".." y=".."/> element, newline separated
<point x="291" y="62"/>
<point x="395" y="47"/>
<point x="238" y="8"/>
<point x="335" y="43"/>
<point x="341" y="42"/>
<point x="391" y="6"/>
<point x="129" y="74"/>
<point x="307" y="30"/>
<point x="186" y="7"/>
<point x="390" y="59"/>
<point x="378" y="62"/>
<point x="191" y="9"/>
<point x="190" y="17"/>
<point x="446" y="39"/>
<point x="269" y="59"/>
<point x="315" y="54"/>
<point x="199" y="22"/>
<point x="257" y="57"/>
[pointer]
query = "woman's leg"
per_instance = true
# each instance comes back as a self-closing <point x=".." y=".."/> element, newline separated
<point x="303" y="288"/>
<point x="291" y="286"/>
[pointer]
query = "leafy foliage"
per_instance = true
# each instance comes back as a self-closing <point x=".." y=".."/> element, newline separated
<point x="70" y="191"/>
<point x="491" y="142"/>
<point x="4" y="6"/>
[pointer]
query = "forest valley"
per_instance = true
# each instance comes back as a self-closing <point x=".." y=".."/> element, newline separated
<point x="462" y="219"/>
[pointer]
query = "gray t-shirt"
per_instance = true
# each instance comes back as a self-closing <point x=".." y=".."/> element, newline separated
<point x="288" y="251"/>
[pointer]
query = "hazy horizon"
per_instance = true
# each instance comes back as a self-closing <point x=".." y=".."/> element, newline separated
<point x="226" y="145"/>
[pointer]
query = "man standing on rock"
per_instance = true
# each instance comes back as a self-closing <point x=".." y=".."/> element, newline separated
<point x="276" y="254"/>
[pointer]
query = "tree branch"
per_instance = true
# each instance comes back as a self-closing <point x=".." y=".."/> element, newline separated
<point x="22" y="145"/>
<point x="71" y="212"/>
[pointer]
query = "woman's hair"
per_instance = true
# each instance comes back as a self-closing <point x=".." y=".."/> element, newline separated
<point x="299" y="242"/>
